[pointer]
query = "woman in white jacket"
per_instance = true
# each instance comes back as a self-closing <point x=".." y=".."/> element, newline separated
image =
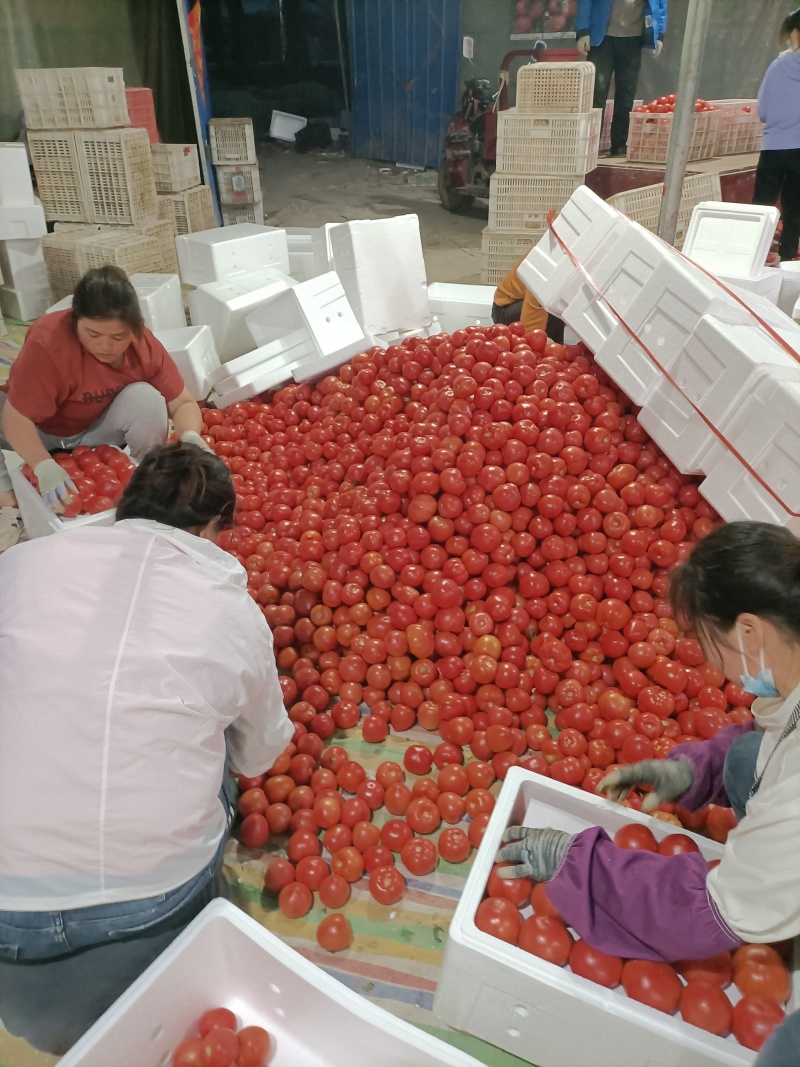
<point x="128" y="654"/>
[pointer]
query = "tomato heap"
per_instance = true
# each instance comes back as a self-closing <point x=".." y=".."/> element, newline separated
<point x="521" y="915"/>
<point x="100" y="476"/>
<point x="220" y="1043"/>
<point x="665" y="105"/>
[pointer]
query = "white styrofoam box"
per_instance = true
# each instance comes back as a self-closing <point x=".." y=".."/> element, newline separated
<point x="309" y="251"/>
<point x="214" y="255"/>
<point x="61" y="305"/>
<point x="737" y="495"/>
<point x="589" y="315"/>
<point x="161" y="300"/>
<point x="767" y="283"/>
<point x="312" y="320"/>
<point x="224" y="957"/>
<point x="22" y="263"/>
<point x="457" y="306"/>
<point x="22" y="222"/>
<point x="224" y="306"/>
<point x="536" y="1010"/>
<point x="192" y="348"/>
<point x="627" y="364"/>
<point x="770" y="314"/>
<point x="268" y="370"/>
<point x="16" y="187"/>
<point x="39" y="520"/>
<point x="587" y="225"/>
<point x="284" y="126"/>
<point x="25" y="304"/>
<point x="731" y="239"/>
<point x="678" y="429"/>
<point x="790" y="286"/>
<point x="381" y="267"/>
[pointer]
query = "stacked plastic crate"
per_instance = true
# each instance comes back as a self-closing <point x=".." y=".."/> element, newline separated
<point x="545" y="147"/>
<point x="182" y="200"/>
<point x="24" y="289"/>
<point x="233" y="153"/>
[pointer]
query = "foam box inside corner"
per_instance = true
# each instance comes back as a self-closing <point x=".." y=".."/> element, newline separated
<point x="22" y="263"/>
<point x="161" y="300"/>
<point x="457" y="306"/>
<point x="215" y="255"/>
<point x="39" y="520"/>
<point x="22" y="223"/>
<point x="16" y="187"/>
<point x="628" y="365"/>
<point x="224" y="306"/>
<point x="309" y="251"/>
<point x="225" y="957"/>
<point x="268" y="370"/>
<point x="678" y="430"/>
<point x="589" y="315"/>
<point x="731" y="239"/>
<point x="192" y="348"/>
<point x="543" y="1013"/>
<point x="382" y="269"/>
<point x="733" y="491"/>
<point x="767" y="283"/>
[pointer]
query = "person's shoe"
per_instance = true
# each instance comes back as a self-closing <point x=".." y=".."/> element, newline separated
<point x="12" y="530"/>
<point x="619" y="151"/>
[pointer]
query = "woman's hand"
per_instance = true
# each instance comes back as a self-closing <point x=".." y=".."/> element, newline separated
<point x="537" y="854"/>
<point x="670" y="779"/>
<point x="55" y="485"/>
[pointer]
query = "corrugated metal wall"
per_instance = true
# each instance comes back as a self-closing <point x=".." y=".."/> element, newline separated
<point x="405" y="77"/>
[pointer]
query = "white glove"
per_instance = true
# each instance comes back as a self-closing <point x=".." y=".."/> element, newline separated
<point x="536" y="853"/>
<point x="670" y="779"/>
<point x="584" y="44"/>
<point x="656" y="52"/>
<point x="189" y="437"/>
<point x="55" y="485"/>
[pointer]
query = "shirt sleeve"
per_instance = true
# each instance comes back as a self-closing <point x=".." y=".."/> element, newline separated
<point x="34" y="380"/>
<point x="639" y="905"/>
<point x="533" y="316"/>
<point x="707" y="760"/>
<point x="263" y="729"/>
<point x="162" y="371"/>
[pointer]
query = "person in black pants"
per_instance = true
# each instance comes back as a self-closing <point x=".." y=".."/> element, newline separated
<point x="778" y="172"/>
<point x="613" y="35"/>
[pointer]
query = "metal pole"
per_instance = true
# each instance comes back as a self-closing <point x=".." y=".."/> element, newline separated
<point x="680" y="141"/>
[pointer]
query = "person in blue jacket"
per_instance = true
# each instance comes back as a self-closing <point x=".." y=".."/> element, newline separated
<point x="778" y="172"/>
<point x="613" y="33"/>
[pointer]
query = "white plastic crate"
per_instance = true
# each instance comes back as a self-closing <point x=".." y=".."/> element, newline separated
<point x="190" y="211"/>
<point x="161" y="300"/>
<point x="176" y="167"/>
<point x="538" y="1011"/>
<point x="523" y="202"/>
<point x="456" y="306"/>
<point x="588" y="227"/>
<point x="16" y="187"/>
<point x="192" y="348"/>
<point x="547" y="144"/>
<point x="226" y="958"/>
<point x="20" y="223"/>
<point x="232" y="141"/>
<point x="60" y="251"/>
<point x="309" y="251"/>
<point x="239" y="184"/>
<point x="644" y="205"/>
<point x="121" y="247"/>
<point x="558" y="87"/>
<point x="731" y="239"/>
<point x="380" y="265"/>
<point x="117" y="175"/>
<point x="501" y="250"/>
<point x="648" y="136"/>
<point x="39" y="520"/>
<point x="25" y="304"/>
<point x="216" y="254"/>
<point x="608" y="115"/>
<point x="224" y="306"/>
<point x="56" y="162"/>
<point x="235" y="215"/>
<point x="22" y="264"/>
<point x="737" y="495"/>
<point x="740" y="129"/>
<point x="73" y="97"/>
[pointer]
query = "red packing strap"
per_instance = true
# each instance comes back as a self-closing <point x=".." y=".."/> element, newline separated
<point x="667" y="375"/>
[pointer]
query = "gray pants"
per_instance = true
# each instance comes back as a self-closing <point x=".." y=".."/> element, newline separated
<point x="137" y="417"/>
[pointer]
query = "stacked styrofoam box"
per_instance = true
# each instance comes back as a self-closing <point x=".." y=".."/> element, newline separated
<point x="544" y="1013"/>
<point x="233" y="153"/>
<point x="195" y="355"/>
<point x="161" y="300"/>
<point x="644" y="205"/>
<point x="24" y="289"/>
<point x="225" y="305"/>
<point x="545" y="147"/>
<point x="216" y="255"/>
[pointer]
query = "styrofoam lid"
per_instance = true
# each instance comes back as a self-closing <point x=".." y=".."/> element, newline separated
<point x="731" y="239"/>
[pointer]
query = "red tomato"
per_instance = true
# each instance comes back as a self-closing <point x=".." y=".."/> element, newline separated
<point x="348" y="863"/>
<point x="387" y="885"/>
<point x="546" y="937"/>
<point x="418" y="855"/>
<point x="655" y="984"/>
<point x="500" y="918"/>
<point x="717" y="970"/>
<point x="764" y="980"/>
<point x="635" y="836"/>
<point x="254" y="831"/>
<point x="220" y="1017"/>
<point x="221" y="1047"/>
<point x="295" y="900"/>
<point x="255" y="1045"/>
<point x="454" y="845"/>
<point x="334" y="891"/>
<point x="190" y="1053"/>
<point x="754" y="1019"/>
<point x="676" y="845"/>
<point x="595" y="965"/>
<point x="706" y="1006"/>
<point x="335" y="933"/>
<point x="517" y="890"/>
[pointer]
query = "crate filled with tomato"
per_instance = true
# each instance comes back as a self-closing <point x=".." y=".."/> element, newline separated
<point x="651" y="127"/>
<point x="516" y="975"/>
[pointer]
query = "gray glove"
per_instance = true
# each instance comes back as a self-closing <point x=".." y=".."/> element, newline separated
<point x="189" y="437"/>
<point x="536" y="853"/>
<point x="670" y="779"/>
<point x="55" y="485"/>
<point x="584" y="44"/>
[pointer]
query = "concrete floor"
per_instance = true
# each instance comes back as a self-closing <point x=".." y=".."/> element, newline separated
<point x="312" y="189"/>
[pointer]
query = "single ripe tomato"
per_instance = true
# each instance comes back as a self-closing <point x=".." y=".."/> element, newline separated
<point x="500" y="918"/>
<point x="764" y="980"/>
<point x="754" y="1019"/>
<point x="335" y="933"/>
<point x="716" y="970"/>
<point x="453" y="845"/>
<point x="255" y="1045"/>
<point x="546" y="937"/>
<point x="222" y="1017"/>
<point x="635" y="836"/>
<point x="595" y="965"/>
<point x="387" y="884"/>
<point x="651" y="983"/>
<point x="517" y="890"/>
<point x="676" y="845"/>
<point x="334" y="891"/>
<point x="190" y="1053"/>
<point x="706" y="1006"/>
<point x="295" y="900"/>
<point x="221" y="1046"/>
<point x="418" y="855"/>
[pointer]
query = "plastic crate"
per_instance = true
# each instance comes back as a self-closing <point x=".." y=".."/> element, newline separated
<point x="547" y="144"/>
<point x="232" y="216"/>
<point x="163" y="230"/>
<point x="142" y="112"/>
<point x="740" y="129"/>
<point x="56" y="162"/>
<point x="133" y="252"/>
<point x="502" y="251"/>
<point x="238" y="185"/>
<point x="232" y="141"/>
<point x="608" y="115"/>
<point x="555" y="87"/>
<point x="60" y="98"/>
<point x="175" y="167"/>
<point x="189" y="211"/>
<point x="117" y="175"/>
<point x="523" y="202"/>
<point x="648" y="136"/>
<point x="60" y="251"/>
<point x="644" y="205"/>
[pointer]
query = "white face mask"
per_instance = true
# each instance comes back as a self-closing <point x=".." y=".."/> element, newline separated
<point x="763" y="685"/>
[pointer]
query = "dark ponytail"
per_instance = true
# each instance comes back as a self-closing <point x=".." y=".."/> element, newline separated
<point x="180" y="485"/>
<point x="741" y="567"/>
<point x="791" y="22"/>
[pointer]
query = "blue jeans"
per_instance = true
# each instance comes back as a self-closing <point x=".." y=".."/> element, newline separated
<point x="739" y="771"/>
<point x="59" y="971"/>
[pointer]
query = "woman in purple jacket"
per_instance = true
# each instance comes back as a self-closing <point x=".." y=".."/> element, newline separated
<point x="740" y="593"/>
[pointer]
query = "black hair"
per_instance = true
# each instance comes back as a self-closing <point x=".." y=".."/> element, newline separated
<point x="791" y="22"/>
<point x="105" y="293"/>
<point x="741" y="567"/>
<point x="180" y="485"/>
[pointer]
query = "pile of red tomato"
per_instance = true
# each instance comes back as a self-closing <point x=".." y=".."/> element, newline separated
<point x="523" y="916"/>
<point x="220" y="1043"/>
<point x="100" y="476"/>
<point x="665" y="105"/>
